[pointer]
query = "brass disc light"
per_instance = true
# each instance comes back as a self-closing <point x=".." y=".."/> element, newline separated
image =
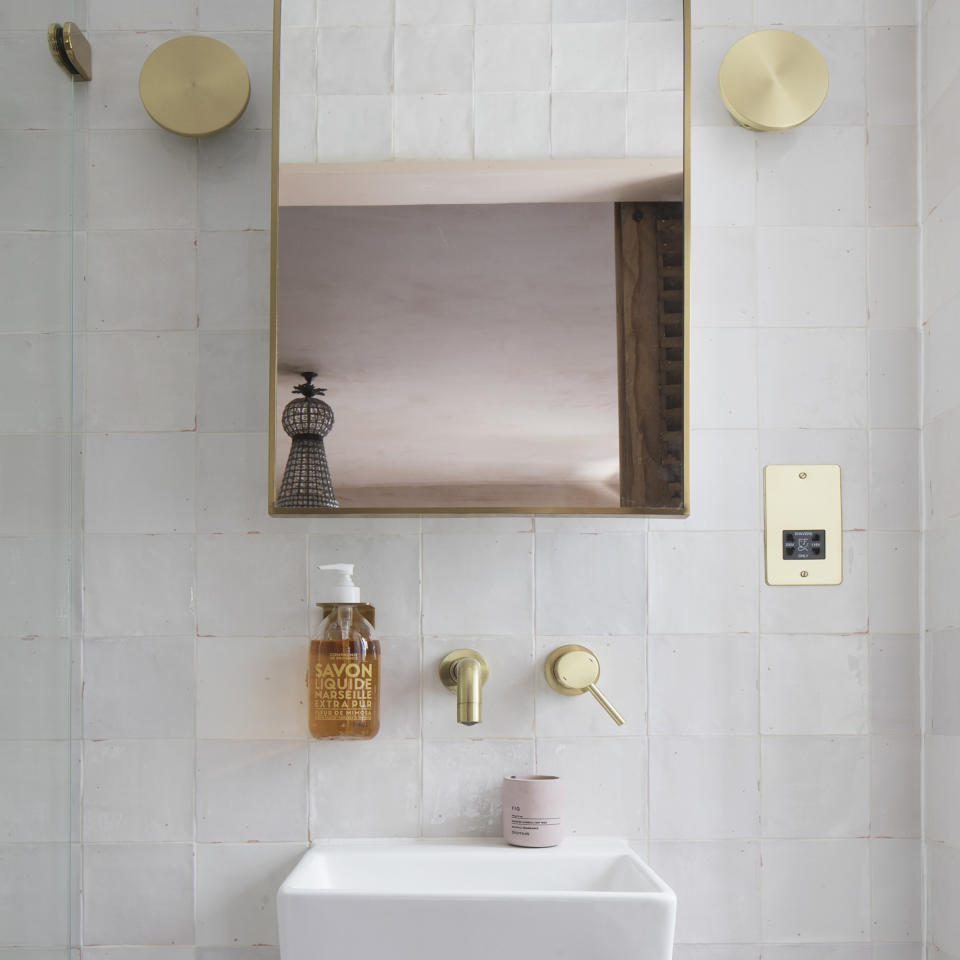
<point x="773" y="80"/>
<point x="194" y="86"/>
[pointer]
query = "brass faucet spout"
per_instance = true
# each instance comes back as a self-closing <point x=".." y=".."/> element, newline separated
<point x="464" y="672"/>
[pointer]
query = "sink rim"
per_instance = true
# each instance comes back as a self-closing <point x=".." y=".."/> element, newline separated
<point x="489" y="848"/>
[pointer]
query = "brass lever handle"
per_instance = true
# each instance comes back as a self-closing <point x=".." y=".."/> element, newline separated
<point x="573" y="670"/>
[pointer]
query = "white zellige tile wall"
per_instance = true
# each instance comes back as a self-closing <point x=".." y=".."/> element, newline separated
<point x="36" y="166"/>
<point x="769" y="766"/>
<point x="940" y="211"/>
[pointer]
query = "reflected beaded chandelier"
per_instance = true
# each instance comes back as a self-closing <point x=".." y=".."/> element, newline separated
<point x="306" y="477"/>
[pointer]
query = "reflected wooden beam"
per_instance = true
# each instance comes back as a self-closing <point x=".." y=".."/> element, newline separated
<point x="409" y="182"/>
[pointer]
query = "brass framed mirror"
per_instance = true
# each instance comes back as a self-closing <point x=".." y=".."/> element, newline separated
<point x="480" y="334"/>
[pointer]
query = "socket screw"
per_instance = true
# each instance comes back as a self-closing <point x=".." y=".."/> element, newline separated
<point x="803" y="573"/>
<point x="802" y="475"/>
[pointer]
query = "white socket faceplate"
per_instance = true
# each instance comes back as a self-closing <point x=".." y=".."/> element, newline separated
<point x="802" y="498"/>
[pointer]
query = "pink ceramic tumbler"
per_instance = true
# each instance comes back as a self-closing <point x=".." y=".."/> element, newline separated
<point x="532" y="811"/>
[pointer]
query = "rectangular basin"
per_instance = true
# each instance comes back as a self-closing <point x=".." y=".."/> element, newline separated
<point x="474" y="900"/>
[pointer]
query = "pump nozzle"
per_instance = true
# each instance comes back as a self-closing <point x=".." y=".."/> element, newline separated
<point x="344" y="590"/>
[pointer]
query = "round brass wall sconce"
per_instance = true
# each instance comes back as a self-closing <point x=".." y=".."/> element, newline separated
<point x="773" y="80"/>
<point x="194" y="86"/>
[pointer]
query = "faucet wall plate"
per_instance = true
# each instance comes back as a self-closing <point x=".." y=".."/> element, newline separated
<point x="549" y="671"/>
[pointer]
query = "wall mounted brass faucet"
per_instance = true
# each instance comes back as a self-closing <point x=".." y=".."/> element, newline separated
<point x="465" y="672"/>
<point x="573" y="670"/>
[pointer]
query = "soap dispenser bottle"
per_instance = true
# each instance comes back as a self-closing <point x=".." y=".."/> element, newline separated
<point x="344" y="672"/>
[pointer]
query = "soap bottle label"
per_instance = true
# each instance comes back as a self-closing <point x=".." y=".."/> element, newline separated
<point x="344" y="688"/>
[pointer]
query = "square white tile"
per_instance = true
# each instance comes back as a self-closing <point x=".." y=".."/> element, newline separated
<point x="588" y="124"/>
<point x="704" y="788"/>
<point x="891" y="175"/>
<point x="891" y="74"/>
<point x="723" y="177"/>
<point x="138" y="688"/>
<point x="942" y="656"/>
<point x="139" y="585"/>
<point x="139" y="483"/>
<point x="252" y="585"/>
<point x="815" y="786"/>
<point x="251" y="791"/>
<point x="726" y="568"/>
<point x="138" y="790"/>
<point x="434" y="127"/>
<point x="589" y="57"/>
<point x="655" y="55"/>
<point x="355" y="59"/>
<point x="33" y="802"/>
<point x="226" y="361"/>
<point x="141" y="180"/>
<point x="723" y="288"/>
<point x="252" y="689"/>
<point x="25" y="917"/>
<point x="786" y="259"/>
<point x="897" y="889"/>
<point x="513" y="11"/>
<point x="894" y="378"/>
<point x="512" y="125"/>
<point x="350" y="782"/>
<point x="835" y="394"/>
<point x="237" y="891"/>
<point x="36" y="277"/>
<point x="152" y="302"/>
<point x="835" y="667"/>
<point x="230" y="298"/>
<point x="828" y="161"/>
<point x="513" y="58"/>
<point x="477" y="584"/>
<point x="896" y="787"/>
<point x="33" y="477"/>
<point x="895" y="582"/>
<point x="433" y="59"/>
<point x="38" y="196"/>
<point x="816" y="890"/>
<point x="29" y="359"/>
<point x="590" y="585"/>
<point x="462" y="784"/>
<point x="33" y="686"/>
<point x="587" y="11"/>
<point x="703" y="685"/>
<point x="118" y="878"/>
<point x="723" y="394"/>
<point x="895" y="684"/>
<point x="234" y="181"/>
<point x="892" y="276"/>
<point x="354" y="128"/>
<point x="34" y="572"/>
<point x="655" y="124"/>
<point x="894" y="480"/>
<point x="717" y="885"/>
<point x="120" y="398"/>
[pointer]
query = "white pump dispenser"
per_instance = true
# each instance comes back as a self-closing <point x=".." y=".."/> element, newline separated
<point x="344" y="590"/>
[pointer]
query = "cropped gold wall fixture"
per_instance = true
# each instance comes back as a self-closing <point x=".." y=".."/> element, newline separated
<point x="773" y="80"/>
<point x="70" y="50"/>
<point x="194" y="86"/>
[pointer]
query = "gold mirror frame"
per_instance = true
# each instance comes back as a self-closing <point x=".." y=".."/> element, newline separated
<point x="273" y="510"/>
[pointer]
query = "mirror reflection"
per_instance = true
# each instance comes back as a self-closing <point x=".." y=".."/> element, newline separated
<point x="464" y="349"/>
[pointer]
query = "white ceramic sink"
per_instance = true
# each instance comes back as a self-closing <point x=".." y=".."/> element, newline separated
<point x="474" y="900"/>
